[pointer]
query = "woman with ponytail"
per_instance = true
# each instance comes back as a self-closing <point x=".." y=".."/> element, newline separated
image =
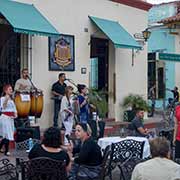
<point x="9" y="112"/>
<point x="66" y="113"/>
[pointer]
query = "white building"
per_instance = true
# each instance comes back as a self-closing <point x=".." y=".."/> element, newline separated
<point x="101" y="28"/>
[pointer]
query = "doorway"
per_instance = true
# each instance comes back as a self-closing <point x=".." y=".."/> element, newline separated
<point x="9" y="56"/>
<point x="99" y="50"/>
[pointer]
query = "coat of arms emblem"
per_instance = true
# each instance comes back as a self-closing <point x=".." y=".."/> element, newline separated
<point x="62" y="52"/>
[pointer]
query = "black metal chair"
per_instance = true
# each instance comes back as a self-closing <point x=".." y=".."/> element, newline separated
<point x="24" y="145"/>
<point x="7" y="170"/>
<point x="125" y="154"/>
<point x="43" y="168"/>
<point x="106" y="163"/>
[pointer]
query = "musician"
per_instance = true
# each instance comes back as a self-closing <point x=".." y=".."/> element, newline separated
<point x="23" y="84"/>
<point x="66" y="112"/>
<point x="9" y="112"/>
<point x="83" y="103"/>
<point x="58" y="90"/>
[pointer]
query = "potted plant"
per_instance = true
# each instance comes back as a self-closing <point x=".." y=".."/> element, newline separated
<point x="99" y="106"/>
<point x="131" y="103"/>
<point x="99" y="100"/>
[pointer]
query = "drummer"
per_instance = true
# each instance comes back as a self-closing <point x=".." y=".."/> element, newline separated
<point x="23" y="84"/>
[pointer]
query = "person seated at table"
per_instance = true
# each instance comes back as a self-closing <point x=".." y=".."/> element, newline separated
<point x="51" y="147"/>
<point x="160" y="166"/>
<point x="137" y="125"/>
<point x="88" y="153"/>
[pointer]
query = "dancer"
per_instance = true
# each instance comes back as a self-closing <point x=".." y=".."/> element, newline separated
<point x="9" y="112"/>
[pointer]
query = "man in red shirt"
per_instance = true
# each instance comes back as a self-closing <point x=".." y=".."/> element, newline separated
<point x="177" y="131"/>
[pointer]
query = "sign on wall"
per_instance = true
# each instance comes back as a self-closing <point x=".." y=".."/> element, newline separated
<point x="169" y="57"/>
<point x="164" y="57"/>
<point x="61" y="53"/>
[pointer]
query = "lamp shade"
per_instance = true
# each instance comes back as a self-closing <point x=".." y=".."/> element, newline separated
<point x="146" y="34"/>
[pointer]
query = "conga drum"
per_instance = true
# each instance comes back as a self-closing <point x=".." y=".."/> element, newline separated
<point x="36" y="103"/>
<point x="23" y="103"/>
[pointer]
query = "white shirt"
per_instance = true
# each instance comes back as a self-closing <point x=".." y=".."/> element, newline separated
<point x="65" y="104"/>
<point x="156" y="169"/>
<point x="10" y="105"/>
<point x="24" y="82"/>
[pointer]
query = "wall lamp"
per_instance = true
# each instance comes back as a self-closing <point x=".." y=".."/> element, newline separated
<point x="144" y="35"/>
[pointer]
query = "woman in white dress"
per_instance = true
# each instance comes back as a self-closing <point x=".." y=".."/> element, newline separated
<point x="66" y="112"/>
<point x="8" y="113"/>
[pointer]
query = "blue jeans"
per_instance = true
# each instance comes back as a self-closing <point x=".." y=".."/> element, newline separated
<point x="57" y="105"/>
<point x="83" y="117"/>
<point x="73" y="172"/>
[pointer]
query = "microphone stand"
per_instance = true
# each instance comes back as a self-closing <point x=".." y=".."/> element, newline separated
<point x="34" y="87"/>
<point x="71" y="81"/>
<point x="36" y="91"/>
<point x="95" y="93"/>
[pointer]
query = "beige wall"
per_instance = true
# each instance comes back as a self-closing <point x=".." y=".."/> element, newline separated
<point x="130" y="78"/>
<point x="71" y="17"/>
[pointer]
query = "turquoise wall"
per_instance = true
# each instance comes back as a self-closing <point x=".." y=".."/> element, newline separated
<point x="162" y="40"/>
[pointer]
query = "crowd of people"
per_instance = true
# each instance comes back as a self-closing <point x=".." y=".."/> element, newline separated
<point x="64" y="109"/>
<point x="78" y="156"/>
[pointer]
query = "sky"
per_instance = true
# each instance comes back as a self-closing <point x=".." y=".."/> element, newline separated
<point x="159" y="1"/>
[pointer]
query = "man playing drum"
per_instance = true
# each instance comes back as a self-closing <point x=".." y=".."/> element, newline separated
<point x="23" y="84"/>
<point x="22" y="98"/>
<point x="28" y="99"/>
<point x="58" y="90"/>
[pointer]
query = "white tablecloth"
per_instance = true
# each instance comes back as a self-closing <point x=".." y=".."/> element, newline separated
<point x="103" y="142"/>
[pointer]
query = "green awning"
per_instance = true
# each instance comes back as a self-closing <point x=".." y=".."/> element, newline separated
<point x="25" y="18"/>
<point x="116" y="33"/>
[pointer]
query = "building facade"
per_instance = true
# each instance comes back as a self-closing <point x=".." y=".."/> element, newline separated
<point x="164" y="39"/>
<point x="122" y="67"/>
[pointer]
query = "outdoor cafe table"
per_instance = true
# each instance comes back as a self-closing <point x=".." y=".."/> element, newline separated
<point x="103" y="142"/>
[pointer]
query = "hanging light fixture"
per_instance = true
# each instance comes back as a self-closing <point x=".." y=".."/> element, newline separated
<point x="146" y="34"/>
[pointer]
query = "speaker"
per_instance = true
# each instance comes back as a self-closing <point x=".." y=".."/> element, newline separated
<point x="27" y="132"/>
